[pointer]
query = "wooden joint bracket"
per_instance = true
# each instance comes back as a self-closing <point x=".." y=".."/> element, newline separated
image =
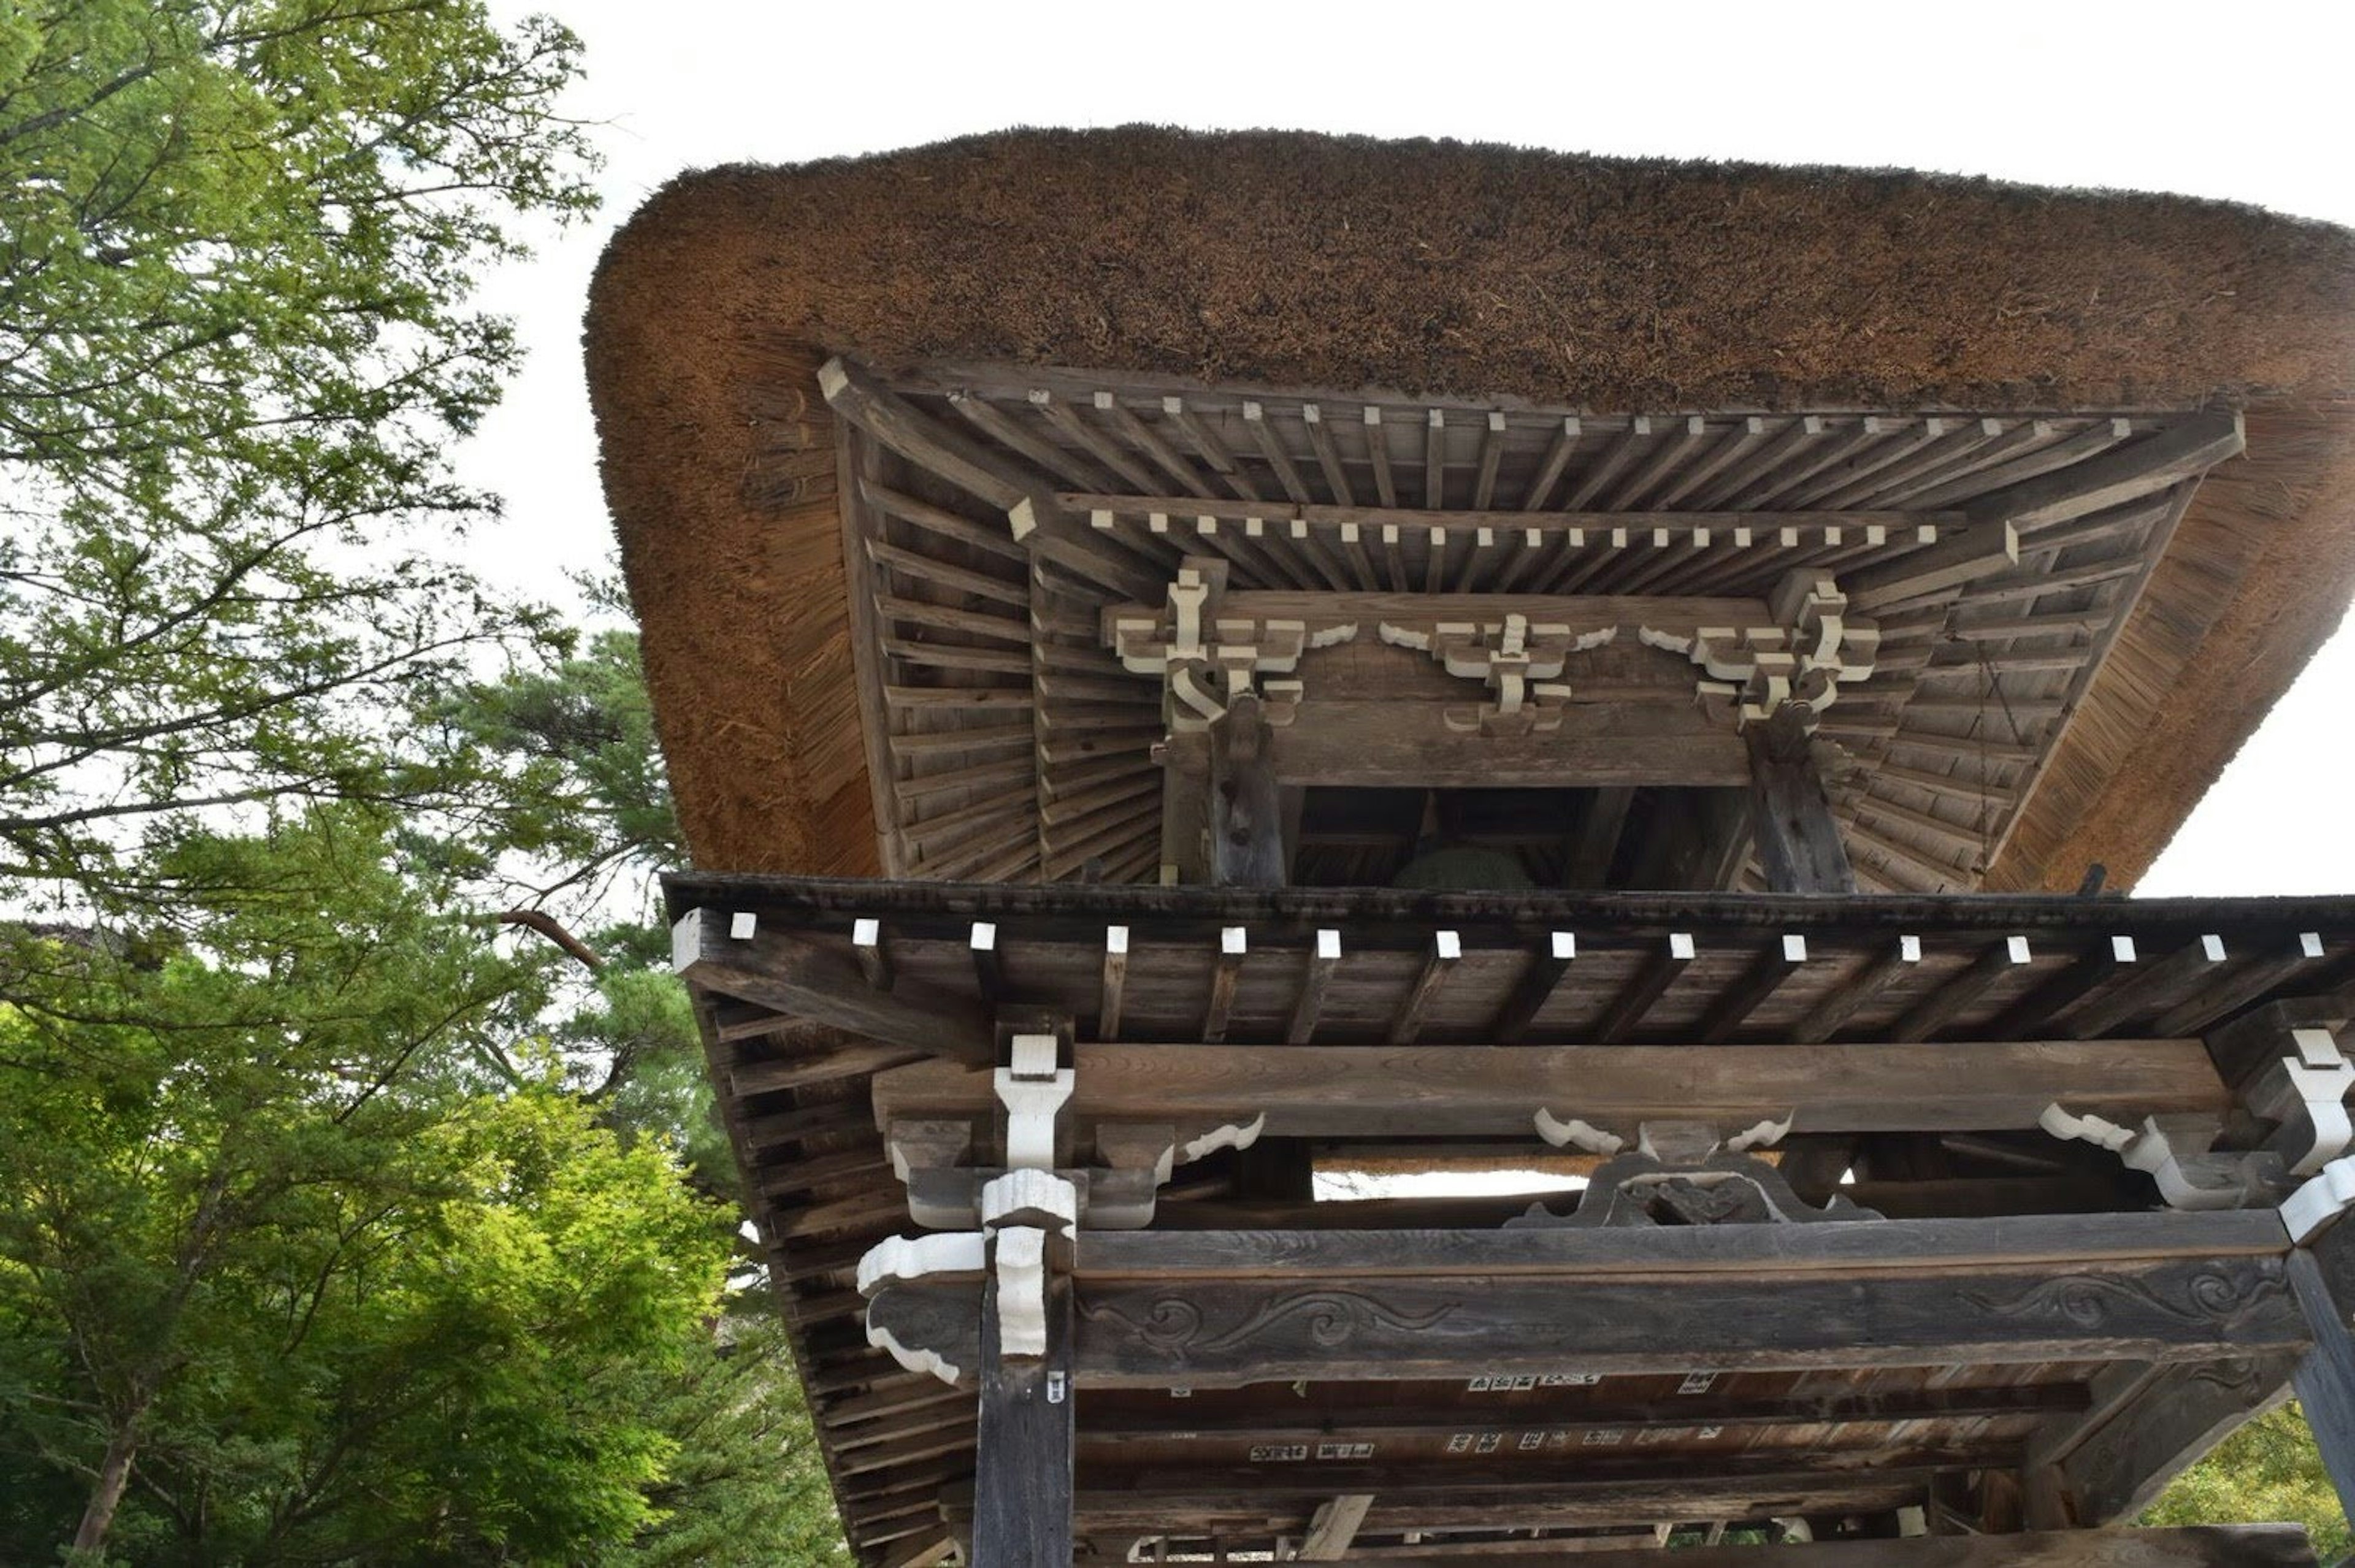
<point x="1812" y="647"/>
<point x="1521" y="662"/>
<point x="2173" y="1151"/>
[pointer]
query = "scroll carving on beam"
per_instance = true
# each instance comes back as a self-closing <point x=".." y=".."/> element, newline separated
<point x="1207" y="660"/>
<point x="1812" y="648"/>
<point x="1521" y="662"/>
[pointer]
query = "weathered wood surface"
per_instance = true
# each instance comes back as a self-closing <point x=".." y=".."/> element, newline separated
<point x="2325" y="1380"/>
<point x="1798" y="837"/>
<point x="1377" y="1091"/>
<point x="2118" y="1468"/>
<point x="1221" y="1309"/>
<point x="1246" y="819"/>
<point x="1023" y="1477"/>
<point x="1370" y="743"/>
<point x="2192" y="1546"/>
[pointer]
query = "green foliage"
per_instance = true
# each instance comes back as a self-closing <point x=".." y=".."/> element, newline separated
<point x="237" y="240"/>
<point x="2267" y="1471"/>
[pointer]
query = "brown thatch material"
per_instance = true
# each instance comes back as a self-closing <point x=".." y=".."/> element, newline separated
<point x="1433" y="268"/>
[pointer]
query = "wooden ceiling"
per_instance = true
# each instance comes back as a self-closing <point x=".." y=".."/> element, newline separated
<point x="1944" y="1025"/>
<point x="1006" y="743"/>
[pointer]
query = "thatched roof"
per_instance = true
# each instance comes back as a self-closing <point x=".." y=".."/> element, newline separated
<point x="1435" y="268"/>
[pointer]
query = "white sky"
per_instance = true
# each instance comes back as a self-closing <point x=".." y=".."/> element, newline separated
<point x="2247" y="102"/>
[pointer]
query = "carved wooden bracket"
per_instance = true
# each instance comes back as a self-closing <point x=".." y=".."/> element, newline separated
<point x="1519" y="662"/>
<point x="1813" y="647"/>
<point x="1716" y="1189"/>
<point x="2173" y="1151"/>
<point x="2307" y="1094"/>
<point x="1206" y="660"/>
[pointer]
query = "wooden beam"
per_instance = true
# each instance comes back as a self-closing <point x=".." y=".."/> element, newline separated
<point x="2178" y="451"/>
<point x="1022" y="1473"/>
<point x="2325" y="1380"/>
<point x="1960" y="556"/>
<point x="790" y="975"/>
<point x="2121" y="1463"/>
<point x="1215" y="1309"/>
<point x="2190" y="1546"/>
<point x="1798" y="837"/>
<point x="1246" y="811"/>
<point x="1596" y="841"/>
<point x="1340" y="1091"/>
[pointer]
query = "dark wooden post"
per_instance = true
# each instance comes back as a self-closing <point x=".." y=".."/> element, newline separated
<point x="1246" y="807"/>
<point x="1799" y="840"/>
<point x="2325" y="1381"/>
<point x="1022" y="1469"/>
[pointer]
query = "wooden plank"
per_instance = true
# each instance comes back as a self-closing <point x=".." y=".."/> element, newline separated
<point x="1113" y="987"/>
<point x="1022" y="1473"/>
<point x="789" y="974"/>
<point x="2190" y="1546"/>
<point x="1335" y="1527"/>
<point x="1798" y="837"/>
<point x="1493" y="1091"/>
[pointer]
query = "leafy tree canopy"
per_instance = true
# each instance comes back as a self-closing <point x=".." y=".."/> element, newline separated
<point x="237" y="242"/>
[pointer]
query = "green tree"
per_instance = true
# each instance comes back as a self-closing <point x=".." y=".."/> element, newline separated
<point x="237" y="243"/>
<point x="2269" y="1470"/>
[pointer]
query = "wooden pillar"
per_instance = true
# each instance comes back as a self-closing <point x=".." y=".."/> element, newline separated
<point x="1799" y="840"/>
<point x="2325" y="1381"/>
<point x="1246" y="807"/>
<point x="1022" y="1470"/>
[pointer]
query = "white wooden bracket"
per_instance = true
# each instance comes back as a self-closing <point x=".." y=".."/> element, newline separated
<point x="1813" y="647"/>
<point x="2307" y="1094"/>
<point x="1671" y="1143"/>
<point x="2319" y="1201"/>
<point x="1520" y="661"/>
<point x="1206" y="659"/>
<point x="2173" y="1151"/>
<point x="1033" y="1090"/>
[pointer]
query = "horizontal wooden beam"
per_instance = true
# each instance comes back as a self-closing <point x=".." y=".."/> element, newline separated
<point x="1223" y="1309"/>
<point x="1760" y="527"/>
<point x="1581" y="613"/>
<point x="1203" y="1333"/>
<point x="1471" y="1090"/>
<point x="2192" y="1546"/>
<point x="1374" y="742"/>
